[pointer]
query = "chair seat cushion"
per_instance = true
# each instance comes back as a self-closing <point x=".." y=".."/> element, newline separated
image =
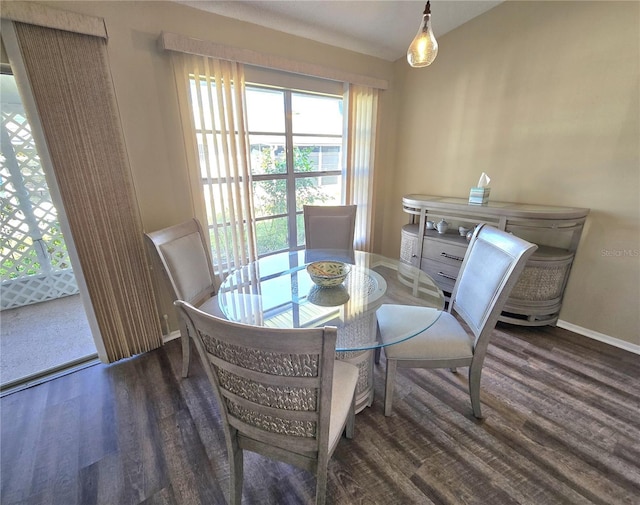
<point x="345" y="379"/>
<point x="211" y="306"/>
<point x="445" y="339"/>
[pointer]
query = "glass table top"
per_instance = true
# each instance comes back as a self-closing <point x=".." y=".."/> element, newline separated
<point x="277" y="291"/>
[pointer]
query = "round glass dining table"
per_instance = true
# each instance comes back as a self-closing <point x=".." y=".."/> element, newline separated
<point x="277" y="291"/>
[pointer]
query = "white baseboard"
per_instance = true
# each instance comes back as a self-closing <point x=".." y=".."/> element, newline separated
<point x="616" y="342"/>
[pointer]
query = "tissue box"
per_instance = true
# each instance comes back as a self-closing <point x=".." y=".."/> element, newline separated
<point x="479" y="196"/>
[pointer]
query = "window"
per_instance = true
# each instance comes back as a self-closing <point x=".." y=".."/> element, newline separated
<point x="296" y="160"/>
<point x="267" y="148"/>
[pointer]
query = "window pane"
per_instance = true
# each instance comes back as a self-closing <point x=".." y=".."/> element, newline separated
<point x="330" y="158"/>
<point x="316" y="114"/>
<point x="225" y="236"/>
<point x="216" y="201"/>
<point x="202" y="106"/>
<point x="219" y="265"/>
<point x="205" y="106"/>
<point x="317" y="154"/>
<point x="272" y="235"/>
<point x="265" y="110"/>
<point x="270" y="197"/>
<point x="318" y="191"/>
<point x="209" y="167"/>
<point x="268" y="155"/>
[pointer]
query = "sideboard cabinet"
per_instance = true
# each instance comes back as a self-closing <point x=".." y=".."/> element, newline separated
<point x="537" y="297"/>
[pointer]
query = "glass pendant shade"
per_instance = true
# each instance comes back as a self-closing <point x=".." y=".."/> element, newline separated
<point x="424" y="48"/>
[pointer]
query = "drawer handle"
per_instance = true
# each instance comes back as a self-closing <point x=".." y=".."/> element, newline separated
<point x="450" y="256"/>
<point x="446" y="276"/>
<point x="414" y="255"/>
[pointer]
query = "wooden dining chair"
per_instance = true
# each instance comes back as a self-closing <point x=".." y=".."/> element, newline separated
<point x="186" y="261"/>
<point x="281" y="392"/>
<point x="329" y="227"/>
<point x="491" y="267"/>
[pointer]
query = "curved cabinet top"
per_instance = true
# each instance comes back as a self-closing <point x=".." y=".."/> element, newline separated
<point x="413" y="203"/>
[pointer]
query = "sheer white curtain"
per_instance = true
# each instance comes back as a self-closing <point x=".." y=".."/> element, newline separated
<point x="361" y="121"/>
<point x="213" y="107"/>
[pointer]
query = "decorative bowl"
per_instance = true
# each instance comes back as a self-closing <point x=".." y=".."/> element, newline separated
<point x="327" y="274"/>
<point x="328" y="297"/>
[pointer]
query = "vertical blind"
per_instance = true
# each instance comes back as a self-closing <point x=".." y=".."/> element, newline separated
<point x="362" y="106"/>
<point x="71" y="84"/>
<point x="213" y="107"/>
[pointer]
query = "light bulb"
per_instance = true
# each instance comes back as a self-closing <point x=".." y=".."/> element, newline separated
<point x="424" y="48"/>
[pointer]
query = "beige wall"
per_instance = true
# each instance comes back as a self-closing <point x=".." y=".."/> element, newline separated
<point x="543" y="97"/>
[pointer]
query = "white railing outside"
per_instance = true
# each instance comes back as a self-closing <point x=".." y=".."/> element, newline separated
<point x="34" y="263"/>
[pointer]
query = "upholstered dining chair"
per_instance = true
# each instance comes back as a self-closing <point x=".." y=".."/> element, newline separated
<point x="186" y="260"/>
<point x="491" y="267"/>
<point x="329" y="226"/>
<point x="281" y="392"/>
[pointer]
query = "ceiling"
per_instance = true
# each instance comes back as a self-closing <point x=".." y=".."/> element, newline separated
<point x="381" y="28"/>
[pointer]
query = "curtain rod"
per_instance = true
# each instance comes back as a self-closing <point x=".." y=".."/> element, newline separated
<point x="180" y="43"/>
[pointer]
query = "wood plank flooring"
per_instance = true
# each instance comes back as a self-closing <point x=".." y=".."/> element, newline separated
<point x="562" y="427"/>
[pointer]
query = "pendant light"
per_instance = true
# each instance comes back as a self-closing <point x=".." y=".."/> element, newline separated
<point x="424" y="48"/>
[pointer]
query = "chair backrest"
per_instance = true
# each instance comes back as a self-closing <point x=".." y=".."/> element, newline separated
<point x="186" y="258"/>
<point x="273" y="385"/>
<point x="329" y="227"/>
<point x="492" y="265"/>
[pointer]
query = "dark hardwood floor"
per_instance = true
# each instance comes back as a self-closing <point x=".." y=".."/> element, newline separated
<point x="562" y="427"/>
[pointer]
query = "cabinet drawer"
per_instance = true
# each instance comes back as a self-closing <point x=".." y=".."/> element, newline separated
<point x="443" y="273"/>
<point x="444" y="251"/>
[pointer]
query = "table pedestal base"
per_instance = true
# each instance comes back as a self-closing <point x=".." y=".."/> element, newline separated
<point x="362" y="329"/>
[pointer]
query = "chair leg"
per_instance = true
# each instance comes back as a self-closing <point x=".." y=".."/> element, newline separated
<point x="474" y="390"/>
<point x="236" y="473"/>
<point x="378" y="350"/>
<point x="186" y="353"/>
<point x="351" y="419"/>
<point x="321" y="480"/>
<point x="389" y="384"/>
